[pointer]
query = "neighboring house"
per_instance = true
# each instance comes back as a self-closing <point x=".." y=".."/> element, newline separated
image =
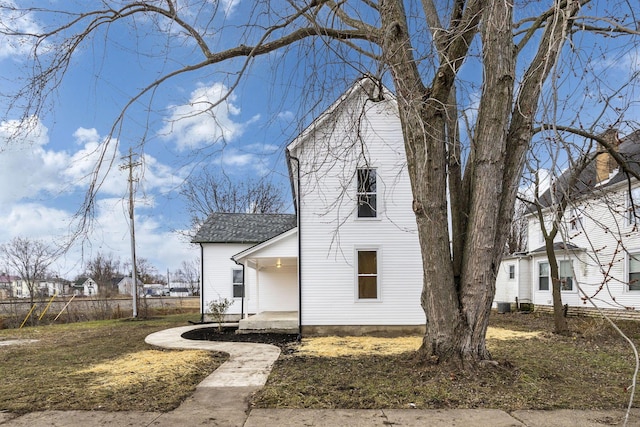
<point x="352" y="263"/>
<point x="600" y="256"/>
<point x="124" y="285"/>
<point x="6" y="286"/>
<point x="85" y="286"/>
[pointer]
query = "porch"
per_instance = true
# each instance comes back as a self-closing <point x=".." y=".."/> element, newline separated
<point x="279" y="322"/>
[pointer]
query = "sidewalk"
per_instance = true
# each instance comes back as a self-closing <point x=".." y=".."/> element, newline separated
<point x="222" y="399"/>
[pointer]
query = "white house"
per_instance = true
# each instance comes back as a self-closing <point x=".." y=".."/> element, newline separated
<point x="598" y="249"/>
<point x="351" y="262"/>
<point x="85" y="286"/>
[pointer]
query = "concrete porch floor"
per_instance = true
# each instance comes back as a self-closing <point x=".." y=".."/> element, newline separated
<point x="281" y="322"/>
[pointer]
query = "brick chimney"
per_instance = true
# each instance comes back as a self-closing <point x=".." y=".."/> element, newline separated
<point x="605" y="163"/>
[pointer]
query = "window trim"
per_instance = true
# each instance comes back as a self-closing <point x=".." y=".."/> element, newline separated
<point x="628" y="272"/>
<point x="548" y="276"/>
<point x="376" y="208"/>
<point x="378" y="252"/>
<point x="573" y="279"/>
<point x="234" y="284"/>
<point x="511" y="271"/>
<point x="576" y="221"/>
<point x="633" y="220"/>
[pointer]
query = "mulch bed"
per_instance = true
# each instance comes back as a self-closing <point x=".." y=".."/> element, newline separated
<point x="284" y="341"/>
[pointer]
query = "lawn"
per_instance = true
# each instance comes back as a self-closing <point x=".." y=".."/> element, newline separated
<point x="588" y="370"/>
<point x="102" y="365"/>
<point x="107" y="366"/>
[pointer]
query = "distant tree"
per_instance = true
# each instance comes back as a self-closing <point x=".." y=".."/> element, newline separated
<point x="190" y="274"/>
<point x="517" y="238"/>
<point x="103" y="269"/>
<point x="207" y="193"/>
<point x="30" y="259"/>
<point x="147" y="273"/>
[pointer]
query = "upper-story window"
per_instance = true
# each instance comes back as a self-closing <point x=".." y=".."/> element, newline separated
<point x="367" y="193"/>
<point x="512" y="271"/>
<point x="633" y="207"/>
<point x="575" y="219"/>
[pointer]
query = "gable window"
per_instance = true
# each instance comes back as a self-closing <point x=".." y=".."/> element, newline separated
<point x="575" y="221"/>
<point x="543" y="276"/>
<point x="565" y="271"/>
<point x="512" y="271"/>
<point x="634" y="272"/>
<point x="367" y="274"/>
<point x="367" y="193"/>
<point x="633" y="207"/>
<point x="237" y="277"/>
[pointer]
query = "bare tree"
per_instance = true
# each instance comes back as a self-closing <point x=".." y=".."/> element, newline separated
<point x="30" y="259"/>
<point x="474" y="82"/>
<point x="207" y="193"/>
<point x="190" y="273"/>
<point x="517" y="238"/>
<point x="103" y="269"/>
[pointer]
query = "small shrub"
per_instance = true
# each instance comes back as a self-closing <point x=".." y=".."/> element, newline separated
<point x="218" y="310"/>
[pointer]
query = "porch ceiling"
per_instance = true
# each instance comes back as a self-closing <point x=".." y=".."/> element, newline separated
<point x="277" y="262"/>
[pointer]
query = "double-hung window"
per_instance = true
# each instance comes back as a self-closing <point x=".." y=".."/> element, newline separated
<point x="633" y="207"/>
<point x="367" y="193"/>
<point x="543" y="276"/>
<point x="512" y="271"/>
<point x="368" y="276"/>
<point x="575" y="220"/>
<point x="565" y="271"/>
<point x="237" y="278"/>
<point x="634" y="272"/>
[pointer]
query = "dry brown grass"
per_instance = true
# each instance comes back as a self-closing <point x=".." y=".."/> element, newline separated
<point x="333" y="346"/>
<point x="536" y="370"/>
<point x="102" y="365"/>
<point x="138" y="369"/>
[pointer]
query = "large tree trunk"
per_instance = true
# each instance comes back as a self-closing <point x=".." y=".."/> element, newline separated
<point x="460" y="269"/>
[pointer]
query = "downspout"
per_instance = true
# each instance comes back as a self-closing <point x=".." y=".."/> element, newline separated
<point x="243" y="285"/>
<point x="296" y="201"/>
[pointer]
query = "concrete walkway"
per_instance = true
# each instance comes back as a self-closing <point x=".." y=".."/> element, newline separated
<point x="222" y="399"/>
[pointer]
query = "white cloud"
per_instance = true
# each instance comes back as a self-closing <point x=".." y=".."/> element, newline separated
<point x="205" y="120"/>
<point x="28" y="171"/>
<point x="15" y="21"/>
<point x="229" y="6"/>
<point x="286" y="115"/>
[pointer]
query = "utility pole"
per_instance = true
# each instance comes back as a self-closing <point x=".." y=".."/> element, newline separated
<point x="134" y="279"/>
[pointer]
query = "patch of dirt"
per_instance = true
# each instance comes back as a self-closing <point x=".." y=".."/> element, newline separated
<point x="286" y="342"/>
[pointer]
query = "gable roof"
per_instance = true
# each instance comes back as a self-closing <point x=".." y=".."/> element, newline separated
<point x="629" y="151"/>
<point x="367" y="86"/>
<point x="243" y="227"/>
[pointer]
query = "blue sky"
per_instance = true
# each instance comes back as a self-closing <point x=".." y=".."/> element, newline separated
<point x="43" y="175"/>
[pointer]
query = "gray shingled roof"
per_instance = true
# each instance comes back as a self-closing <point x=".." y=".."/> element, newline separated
<point x="629" y="150"/>
<point x="243" y="228"/>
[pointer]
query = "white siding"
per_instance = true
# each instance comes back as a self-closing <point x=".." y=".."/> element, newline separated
<point x="217" y="276"/>
<point x="278" y="289"/>
<point x="507" y="289"/>
<point x="605" y="239"/>
<point x="331" y="233"/>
